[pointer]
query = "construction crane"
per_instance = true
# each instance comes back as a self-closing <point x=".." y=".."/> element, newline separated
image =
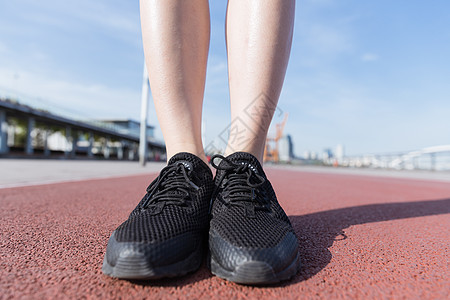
<point x="271" y="151"/>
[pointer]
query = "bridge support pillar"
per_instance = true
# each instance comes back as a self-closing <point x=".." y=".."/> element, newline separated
<point x="120" y="151"/>
<point x="106" y="150"/>
<point x="46" y="149"/>
<point x="91" y="144"/>
<point x="69" y="139"/>
<point x="75" y="136"/>
<point x="132" y="151"/>
<point x="3" y="133"/>
<point x="433" y="161"/>
<point x="29" y="139"/>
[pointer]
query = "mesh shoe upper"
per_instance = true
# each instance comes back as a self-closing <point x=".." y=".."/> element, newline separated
<point x="251" y="240"/>
<point x="176" y="203"/>
<point x="245" y="211"/>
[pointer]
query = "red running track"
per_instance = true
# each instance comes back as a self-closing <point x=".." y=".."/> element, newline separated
<point x="360" y="238"/>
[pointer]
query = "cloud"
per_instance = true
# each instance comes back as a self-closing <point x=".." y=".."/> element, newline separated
<point x="218" y="67"/>
<point x="325" y="39"/>
<point x="368" y="57"/>
<point x="74" y="99"/>
<point x="321" y="3"/>
<point x="112" y="19"/>
<point x="3" y="48"/>
<point x="69" y="98"/>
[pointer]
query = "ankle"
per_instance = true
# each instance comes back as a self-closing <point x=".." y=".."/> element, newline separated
<point x="199" y="152"/>
<point x="255" y="152"/>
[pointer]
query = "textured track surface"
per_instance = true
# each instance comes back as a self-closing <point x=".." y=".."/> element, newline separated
<point x="360" y="237"/>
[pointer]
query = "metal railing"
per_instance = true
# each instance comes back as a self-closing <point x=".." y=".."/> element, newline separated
<point x="436" y="158"/>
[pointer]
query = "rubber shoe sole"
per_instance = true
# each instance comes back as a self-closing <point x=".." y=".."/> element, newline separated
<point x="255" y="272"/>
<point x="135" y="265"/>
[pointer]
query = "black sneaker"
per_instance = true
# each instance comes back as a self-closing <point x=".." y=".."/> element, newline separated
<point x="165" y="234"/>
<point x="251" y="240"/>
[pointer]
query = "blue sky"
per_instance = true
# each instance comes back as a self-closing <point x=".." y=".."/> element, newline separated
<point x="371" y="75"/>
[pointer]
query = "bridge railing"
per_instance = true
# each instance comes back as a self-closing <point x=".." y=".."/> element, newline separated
<point x="431" y="158"/>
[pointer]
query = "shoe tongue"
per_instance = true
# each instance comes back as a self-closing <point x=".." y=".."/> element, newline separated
<point x="246" y="158"/>
<point x="186" y="163"/>
<point x="190" y="161"/>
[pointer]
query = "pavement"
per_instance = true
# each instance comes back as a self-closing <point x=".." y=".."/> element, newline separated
<point x="361" y="236"/>
<point x="26" y="172"/>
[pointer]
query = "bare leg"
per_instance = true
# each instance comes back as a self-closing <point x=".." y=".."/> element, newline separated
<point x="176" y="42"/>
<point x="259" y="38"/>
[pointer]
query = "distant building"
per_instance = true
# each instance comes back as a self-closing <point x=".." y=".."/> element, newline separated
<point x="286" y="149"/>
<point x="340" y="154"/>
<point x="307" y="154"/>
<point x="129" y="126"/>
<point x="327" y="154"/>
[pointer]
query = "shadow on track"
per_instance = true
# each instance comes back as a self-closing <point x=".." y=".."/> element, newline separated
<point x="318" y="231"/>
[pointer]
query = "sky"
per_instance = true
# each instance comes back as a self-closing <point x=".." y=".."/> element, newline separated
<point x="373" y="76"/>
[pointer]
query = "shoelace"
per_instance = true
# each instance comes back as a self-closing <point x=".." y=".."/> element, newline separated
<point x="240" y="185"/>
<point x="176" y="178"/>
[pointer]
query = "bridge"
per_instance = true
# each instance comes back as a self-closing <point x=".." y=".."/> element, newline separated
<point x="436" y="158"/>
<point x="410" y="160"/>
<point x="86" y="138"/>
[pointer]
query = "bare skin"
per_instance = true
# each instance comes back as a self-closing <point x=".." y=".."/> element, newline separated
<point x="259" y="38"/>
<point x="176" y="41"/>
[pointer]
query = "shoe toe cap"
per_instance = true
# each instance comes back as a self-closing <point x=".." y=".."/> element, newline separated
<point x="254" y="260"/>
<point x="154" y="254"/>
